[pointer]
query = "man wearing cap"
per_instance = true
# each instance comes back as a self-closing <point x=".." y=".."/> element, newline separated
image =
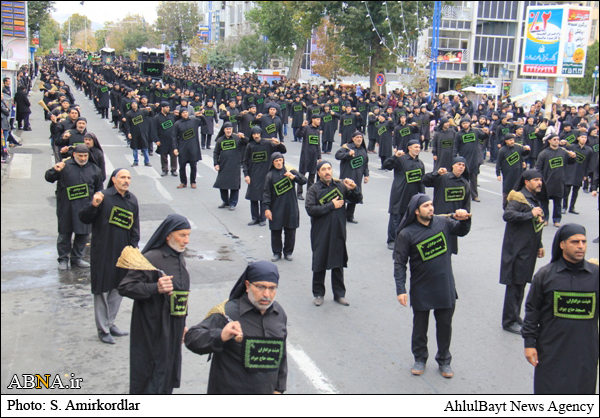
<point x="310" y="154"/>
<point x="160" y="308"/>
<point x="442" y="145"/>
<point x="252" y="314"/>
<point x="408" y="173"/>
<point x="576" y="173"/>
<point x="162" y="135"/>
<point x="560" y="328"/>
<point x="466" y="144"/>
<point x="137" y="130"/>
<point x="78" y="180"/>
<point x="186" y="145"/>
<point x="325" y="206"/>
<point x="450" y="191"/>
<point x="230" y="113"/>
<point x="227" y="161"/>
<point x="423" y="239"/>
<point x="212" y="121"/>
<point x="522" y="245"/>
<point x="114" y="216"/>
<point x="72" y="137"/>
<point x="354" y="164"/>
<point x="270" y="123"/>
<point x="510" y="164"/>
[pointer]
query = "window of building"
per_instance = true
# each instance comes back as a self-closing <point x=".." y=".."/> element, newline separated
<point x="499" y="10"/>
<point x="593" y="29"/>
<point x="231" y="14"/>
<point x="240" y="16"/>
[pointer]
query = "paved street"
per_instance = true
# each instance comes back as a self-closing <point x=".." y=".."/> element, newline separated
<point x="48" y="321"/>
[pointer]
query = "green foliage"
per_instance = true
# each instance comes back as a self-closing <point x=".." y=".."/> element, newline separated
<point x="38" y="13"/>
<point x="78" y="24"/>
<point x="49" y="36"/>
<point x="128" y="34"/>
<point x="252" y="51"/>
<point x="220" y="58"/>
<point x="177" y="22"/>
<point x="584" y="86"/>
<point x="470" y="80"/>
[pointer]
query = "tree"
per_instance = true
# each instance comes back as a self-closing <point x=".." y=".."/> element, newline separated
<point x="328" y="52"/>
<point x="178" y="23"/>
<point x="252" y="51"/>
<point x="584" y="86"/>
<point x="221" y="58"/>
<point x="126" y="35"/>
<point x="78" y="23"/>
<point x="288" y="26"/>
<point x="85" y="40"/>
<point x="398" y="24"/>
<point x="199" y="51"/>
<point x="470" y="80"/>
<point x="49" y="36"/>
<point x="38" y="13"/>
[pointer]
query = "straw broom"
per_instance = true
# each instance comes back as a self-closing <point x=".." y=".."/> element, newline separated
<point x="132" y="259"/>
<point x="220" y="309"/>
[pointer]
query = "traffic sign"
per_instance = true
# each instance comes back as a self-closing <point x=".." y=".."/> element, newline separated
<point x="489" y="89"/>
<point x="380" y="79"/>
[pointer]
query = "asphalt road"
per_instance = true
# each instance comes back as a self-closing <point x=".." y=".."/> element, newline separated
<point x="47" y="316"/>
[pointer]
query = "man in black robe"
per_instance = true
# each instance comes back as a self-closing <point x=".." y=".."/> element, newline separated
<point x="408" y="173"/>
<point x="137" y="130"/>
<point x="325" y="206"/>
<point x="510" y="164"/>
<point x="576" y="173"/>
<point x="466" y="144"/>
<point x="281" y="206"/>
<point x="310" y="154"/>
<point x="252" y="313"/>
<point x="561" y="319"/>
<point x="423" y="239"/>
<point x="114" y="215"/>
<point x="72" y="137"/>
<point x="160" y="309"/>
<point x="227" y="161"/>
<point x="354" y="164"/>
<point x="186" y="145"/>
<point x="162" y="134"/>
<point x="78" y="180"/>
<point x="255" y="167"/>
<point x="521" y="246"/>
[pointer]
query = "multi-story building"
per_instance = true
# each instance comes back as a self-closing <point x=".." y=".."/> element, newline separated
<point x="225" y="19"/>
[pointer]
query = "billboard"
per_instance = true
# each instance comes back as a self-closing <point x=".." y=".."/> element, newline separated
<point x="555" y="43"/>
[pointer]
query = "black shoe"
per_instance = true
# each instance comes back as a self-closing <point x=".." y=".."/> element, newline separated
<point x="106" y="338"/>
<point x="573" y="212"/>
<point x="288" y="257"/>
<point x="418" y="368"/>
<point x="300" y="197"/>
<point x="207" y="147"/>
<point x="28" y="129"/>
<point x="352" y="221"/>
<point x="586" y="191"/>
<point x="174" y="173"/>
<point x="164" y="173"/>
<point x="342" y="301"/>
<point x="116" y="332"/>
<point x="262" y="223"/>
<point x="253" y="222"/>
<point x="597" y="240"/>
<point x="275" y="258"/>
<point x="563" y="211"/>
<point x="318" y="301"/>
<point x="135" y="164"/>
<point x="148" y="164"/>
<point x="232" y="208"/>
<point x="80" y="263"/>
<point x="391" y="245"/>
<point x="514" y="328"/>
<point x="151" y="153"/>
<point x="223" y="206"/>
<point x="63" y="265"/>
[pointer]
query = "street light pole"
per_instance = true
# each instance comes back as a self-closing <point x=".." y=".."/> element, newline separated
<point x="595" y="80"/>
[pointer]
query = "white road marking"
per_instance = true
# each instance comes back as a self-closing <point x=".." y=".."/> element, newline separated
<point x="162" y="190"/>
<point x="108" y="166"/>
<point x="310" y="370"/>
<point x="141" y="169"/>
<point x="489" y="191"/>
<point x="20" y="166"/>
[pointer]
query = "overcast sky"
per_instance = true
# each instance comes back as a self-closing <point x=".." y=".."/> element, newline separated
<point x="101" y="11"/>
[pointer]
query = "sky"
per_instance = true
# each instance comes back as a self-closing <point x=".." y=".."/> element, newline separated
<point x="101" y="11"/>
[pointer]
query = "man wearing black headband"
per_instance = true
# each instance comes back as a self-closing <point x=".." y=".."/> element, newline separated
<point x="160" y="309"/>
<point x="162" y="134"/>
<point x="466" y="144"/>
<point x="522" y="244"/>
<point x="310" y="154"/>
<point x="114" y="216"/>
<point x="561" y="318"/>
<point x="78" y="180"/>
<point x="443" y="144"/>
<point x="510" y="164"/>
<point x="576" y="173"/>
<point x="252" y="314"/>
<point x="325" y="205"/>
<point x="354" y="164"/>
<point x="423" y="239"/>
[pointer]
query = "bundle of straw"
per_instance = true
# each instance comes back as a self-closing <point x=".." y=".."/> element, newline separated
<point x="132" y="259"/>
<point x="594" y="261"/>
<point x="220" y="309"/>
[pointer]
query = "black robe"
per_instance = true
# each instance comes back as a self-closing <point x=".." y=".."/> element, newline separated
<point x="442" y="148"/>
<point x="226" y="155"/>
<point x="450" y="193"/>
<point x="534" y="140"/>
<point x="509" y="163"/>
<point x="112" y="230"/>
<point x="328" y="225"/>
<point x="233" y="113"/>
<point x="349" y="123"/>
<point x="567" y="345"/>
<point x="553" y="166"/>
<point x="227" y="372"/>
<point x="329" y="124"/>
<point x="432" y="283"/>
<point x="138" y="125"/>
<point x="271" y="127"/>
<point x="186" y="139"/>
<point x="212" y="116"/>
<point x="297" y="109"/>
<point x="402" y="135"/>
<point x="384" y="138"/>
<point x="408" y="174"/>
<point x="356" y="167"/>
<point x="256" y="164"/>
<point x="576" y="172"/>
<point x="162" y="131"/>
<point x="466" y="144"/>
<point x="280" y="198"/>
<point x="310" y="153"/>
<point x="79" y="183"/>
<point x="156" y="334"/>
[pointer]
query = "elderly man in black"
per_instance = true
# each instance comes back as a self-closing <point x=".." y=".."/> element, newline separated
<point x="423" y="239"/>
<point x="250" y="322"/>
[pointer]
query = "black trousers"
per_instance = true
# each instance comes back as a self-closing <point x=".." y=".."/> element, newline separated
<point x="327" y="146"/>
<point x="75" y="249"/>
<point x="206" y="140"/>
<point x="371" y="146"/>
<point x="473" y="184"/>
<point x="257" y="214"/>
<point x="513" y="299"/>
<point x="104" y="112"/>
<point x="443" y="334"/>
<point x="23" y="120"/>
<point x="556" y="213"/>
<point x="337" y="283"/>
<point x="393" y="224"/>
<point x="164" y="162"/>
<point x="310" y="182"/>
<point x="193" y="170"/>
<point x="350" y="208"/>
<point x="290" y="241"/>
<point x="573" y="197"/>
<point x="230" y="197"/>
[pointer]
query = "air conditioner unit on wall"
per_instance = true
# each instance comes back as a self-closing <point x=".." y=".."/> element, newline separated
<point x="276" y="64"/>
<point x="511" y="67"/>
